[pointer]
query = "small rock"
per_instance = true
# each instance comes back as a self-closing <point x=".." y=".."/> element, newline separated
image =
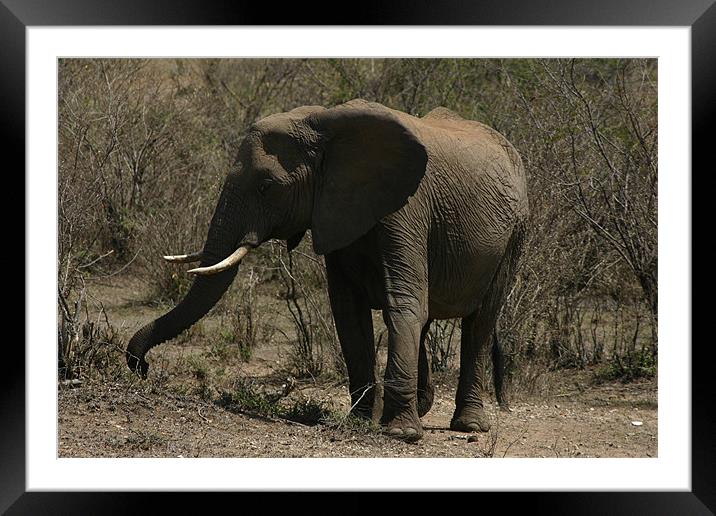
<point x="472" y="439"/>
<point x="637" y="423"/>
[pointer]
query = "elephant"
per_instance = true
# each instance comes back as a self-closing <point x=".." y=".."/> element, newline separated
<point x="420" y="217"/>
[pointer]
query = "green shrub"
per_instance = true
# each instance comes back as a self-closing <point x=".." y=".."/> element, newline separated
<point x="633" y="365"/>
<point x="245" y="397"/>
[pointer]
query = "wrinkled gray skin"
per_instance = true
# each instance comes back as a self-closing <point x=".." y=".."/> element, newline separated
<point x="422" y="218"/>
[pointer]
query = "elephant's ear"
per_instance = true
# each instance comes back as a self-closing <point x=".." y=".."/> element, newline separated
<point x="371" y="164"/>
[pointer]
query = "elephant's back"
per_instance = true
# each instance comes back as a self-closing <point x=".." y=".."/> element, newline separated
<point x="477" y="168"/>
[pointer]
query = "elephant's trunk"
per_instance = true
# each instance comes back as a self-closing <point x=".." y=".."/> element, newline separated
<point x="204" y="293"/>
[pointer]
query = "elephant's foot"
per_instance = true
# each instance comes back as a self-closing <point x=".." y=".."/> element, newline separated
<point x="425" y="400"/>
<point x="405" y="426"/>
<point x="470" y="419"/>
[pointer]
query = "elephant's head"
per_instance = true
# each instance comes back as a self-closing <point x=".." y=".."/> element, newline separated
<point x="334" y="171"/>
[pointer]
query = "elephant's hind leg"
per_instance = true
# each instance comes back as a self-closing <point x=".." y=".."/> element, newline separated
<point x="426" y="392"/>
<point x="475" y="346"/>
<point x="477" y="333"/>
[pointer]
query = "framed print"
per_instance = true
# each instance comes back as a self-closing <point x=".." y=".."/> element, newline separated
<point x="453" y="226"/>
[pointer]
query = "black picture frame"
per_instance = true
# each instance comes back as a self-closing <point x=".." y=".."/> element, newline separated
<point x="17" y="15"/>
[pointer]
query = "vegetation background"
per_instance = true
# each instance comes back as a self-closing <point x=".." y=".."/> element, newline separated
<point x="144" y="146"/>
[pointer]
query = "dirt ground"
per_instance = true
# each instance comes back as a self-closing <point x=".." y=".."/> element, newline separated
<point x="176" y="412"/>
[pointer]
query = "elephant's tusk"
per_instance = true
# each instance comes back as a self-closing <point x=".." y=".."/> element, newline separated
<point x="185" y="258"/>
<point x="232" y="260"/>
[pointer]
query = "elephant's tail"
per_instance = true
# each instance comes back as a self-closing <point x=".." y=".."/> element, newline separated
<point x="501" y="281"/>
<point x="514" y="250"/>
<point x="498" y="371"/>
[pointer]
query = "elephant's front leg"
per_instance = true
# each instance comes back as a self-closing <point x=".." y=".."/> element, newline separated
<point x="403" y="256"/>
<point x="404" y="318"/>
<point x="352" y="316"/>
